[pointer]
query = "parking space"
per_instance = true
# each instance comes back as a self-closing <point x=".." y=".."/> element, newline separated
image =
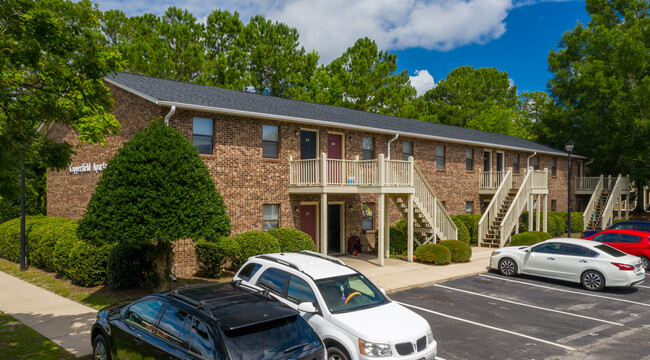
<point x="489" y="316"/>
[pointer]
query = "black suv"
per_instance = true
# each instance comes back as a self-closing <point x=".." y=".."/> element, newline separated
<point x="224" y="321"/>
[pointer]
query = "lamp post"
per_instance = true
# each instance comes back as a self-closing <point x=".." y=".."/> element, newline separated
<point x="569" y="148"/>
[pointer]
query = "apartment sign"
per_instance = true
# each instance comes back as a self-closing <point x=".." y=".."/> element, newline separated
<point x="87" y="167"/>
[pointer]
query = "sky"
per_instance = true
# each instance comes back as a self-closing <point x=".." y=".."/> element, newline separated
<point x="430" y="37"/>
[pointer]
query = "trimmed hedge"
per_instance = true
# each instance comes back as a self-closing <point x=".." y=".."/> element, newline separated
<point x="255" y="243"/>
<point x="460" y="251"/>
<point x="132" y="265"/>
<point x="211" y="254"/>
<point x="471" y="223"/>
<point x="463" y="232"/>
<point x="292" y="240"/>
<point x="398" y="244"/>
<point x="529" y="238"/>
<point x="556" y="222"/>
<point x="89" y="263"/>
<point x="433" y="253"/>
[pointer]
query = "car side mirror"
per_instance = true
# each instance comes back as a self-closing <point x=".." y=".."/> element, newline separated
<point x="383" y="291"/>
<point x="307" y="307"/>
<point x="528" y="251"/>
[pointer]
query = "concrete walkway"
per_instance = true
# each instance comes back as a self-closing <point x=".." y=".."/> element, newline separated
<point x="64" y="321"/>
<point x="397" y="275"/>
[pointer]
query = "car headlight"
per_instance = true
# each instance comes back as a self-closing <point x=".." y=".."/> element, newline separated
<point x="372" y="349"/>
<point x="495" y="253"/>
<point x="429" y="336"/>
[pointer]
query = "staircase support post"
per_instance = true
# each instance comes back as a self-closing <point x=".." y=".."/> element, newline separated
<point x="409" y="231"/>
<point x="545" y="228"/>
<point x="387" y="227"/>
<point x="380" y="228"/>
<point x="539" y="213"/>
<point x="530" y="213"/>
<point x="323" y="223"/>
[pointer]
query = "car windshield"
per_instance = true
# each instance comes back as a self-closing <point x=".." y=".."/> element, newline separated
<point x="349" y="293"/>
<point x="610" y="250"/>
<point x="631" y="226"/>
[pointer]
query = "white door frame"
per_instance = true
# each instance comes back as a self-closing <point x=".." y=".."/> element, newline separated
<point x="342" y="221"/>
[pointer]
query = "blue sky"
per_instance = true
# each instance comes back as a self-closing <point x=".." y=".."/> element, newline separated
<point x="430" y="37"/>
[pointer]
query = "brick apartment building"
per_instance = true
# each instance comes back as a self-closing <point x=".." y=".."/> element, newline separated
<point x="322" y="169"/>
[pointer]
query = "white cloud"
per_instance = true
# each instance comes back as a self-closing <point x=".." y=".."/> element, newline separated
<point x="422" y="81"/>
<point x="331" y="26"/>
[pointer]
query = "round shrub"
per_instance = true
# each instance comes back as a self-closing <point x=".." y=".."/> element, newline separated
<point x="460" y="251"/>
<point x="292" y="240"/>
<point x="463" y="232"/>
<point x="44" y="236"/>
<point x="88" y="263"/>
<point x="255" y="243"/>
<point x="471" y="223"/>
<point x="529" y="238"/>
<point x="211" y="254"/>
<point x="433" y="253"/>
<point x="131" y="265"/>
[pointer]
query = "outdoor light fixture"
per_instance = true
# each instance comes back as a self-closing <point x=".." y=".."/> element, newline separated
<point x="296" y="208"/>
<point x="569" y="148"/>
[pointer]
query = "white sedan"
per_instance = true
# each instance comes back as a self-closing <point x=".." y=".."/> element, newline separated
<point x="592" y="264"/>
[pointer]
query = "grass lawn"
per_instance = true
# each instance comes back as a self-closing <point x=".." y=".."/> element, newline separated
<point x="97" y="297"/>
<point x="19" y="341"/>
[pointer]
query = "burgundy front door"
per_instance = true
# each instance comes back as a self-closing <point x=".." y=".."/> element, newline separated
<point x="308" y="221"/>
<point x="334" y="146"/>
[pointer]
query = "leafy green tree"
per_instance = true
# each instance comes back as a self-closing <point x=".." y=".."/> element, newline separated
<point x="481" y="99"/>
<point x="156" y="190"/>
<point x="367" y="80"/>
<point x="601" y="83"/>
<point x="53" y="61"/>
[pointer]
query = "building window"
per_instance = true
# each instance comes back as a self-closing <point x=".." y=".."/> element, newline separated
<point x="553" y="205"/>
<point x="515" y="163"/>
<point x="368" y="148"/>
<point x="536" y="163"/>
<point x="270" y="142"/>
<point x="440" y="156"/>
<point x="407" y="150"/>
<point x="367" y="222"/>
<point x="468" y="207"/>
<point x="202" y="131"/>
<point x="469" y="159"/>
<point x="553" y="166"/>
<point x="271" y="217"/>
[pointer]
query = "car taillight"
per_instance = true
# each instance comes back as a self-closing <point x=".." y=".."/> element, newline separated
<point x="623" y="266"/>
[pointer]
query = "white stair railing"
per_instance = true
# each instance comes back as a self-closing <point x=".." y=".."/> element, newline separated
<point x="518" y="204"/>
<point x="614" y="196"/>
<point x="432" y="209"/>
<point x="493" y="208"/>
<point x="590" y="211"/>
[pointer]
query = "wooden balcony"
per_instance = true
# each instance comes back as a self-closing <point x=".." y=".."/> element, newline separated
<point x="336" y="176"/>
<point x="489" y="181"/>
<point x="587" y="185"/>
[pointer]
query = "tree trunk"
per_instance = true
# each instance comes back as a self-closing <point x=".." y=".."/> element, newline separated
<point x="640" y="206"/>
<point x="164" y="260"/>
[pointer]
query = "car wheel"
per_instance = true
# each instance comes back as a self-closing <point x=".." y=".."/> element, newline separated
<point x="508" y="267"/>
<point x="335" y="353"/>
<point x="100" y="349"/>
<point x="645" y="262"/>
<point x="593" y="280"/>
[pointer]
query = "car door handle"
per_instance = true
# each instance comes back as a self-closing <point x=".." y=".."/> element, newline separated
<point x="583" y="261"/>
<point x="550" y="258"/>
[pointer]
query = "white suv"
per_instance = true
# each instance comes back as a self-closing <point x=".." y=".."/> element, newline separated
<point x="352" y="316"/>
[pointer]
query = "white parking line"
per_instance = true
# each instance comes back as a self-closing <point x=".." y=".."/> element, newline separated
<point x="642" y="286"/>
<point x="528" y="305"/>
<point x="488" y="326"/>
<point x="567" y="291"/>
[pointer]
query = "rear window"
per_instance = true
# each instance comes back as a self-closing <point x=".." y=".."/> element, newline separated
<point x="248" y="271"/>
<point x="610" y="250"/>
<point x="272" y="340"/>
<point x="273" y="279"/>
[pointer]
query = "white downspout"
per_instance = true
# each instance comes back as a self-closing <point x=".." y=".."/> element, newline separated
<point x="169" y="114"/>
<point x="528" y="160"/>
<point x="393" y="139"/>
<point x="529" y="205"/>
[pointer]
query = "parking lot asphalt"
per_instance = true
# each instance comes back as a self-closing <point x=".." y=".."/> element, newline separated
<point x="490" y="316"/>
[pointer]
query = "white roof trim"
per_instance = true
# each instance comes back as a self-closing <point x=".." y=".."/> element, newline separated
<point x="328" y="123"/>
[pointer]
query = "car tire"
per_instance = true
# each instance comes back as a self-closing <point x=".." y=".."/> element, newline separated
<point x="507" y="267"/>
<point x="645" y="262"/>
<point x="592" y="280"/>
<point x="334" y="353"/>
<point x="100" y="349"/>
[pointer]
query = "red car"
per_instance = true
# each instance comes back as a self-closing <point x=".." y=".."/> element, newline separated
<point x="633" y="242"/>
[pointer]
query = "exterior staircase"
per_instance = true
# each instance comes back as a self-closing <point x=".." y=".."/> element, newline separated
<point x="493" y="236"/>
<point x="595" y="221"/>
<point x="599" y="213"/>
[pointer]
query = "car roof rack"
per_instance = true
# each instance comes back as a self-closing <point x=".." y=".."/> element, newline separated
<point x="280" y="261"/>
<point x="323" y="256"/>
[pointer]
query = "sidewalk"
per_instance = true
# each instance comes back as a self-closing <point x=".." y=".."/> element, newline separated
<point x="63" y="321"/>
<point x="397" y="275"/>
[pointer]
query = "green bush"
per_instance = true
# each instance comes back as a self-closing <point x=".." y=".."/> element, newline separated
<point x="529" y="238"/>
<point x="211" y="254"/>
<point x="131" y="265"/>
<point x="61" y="257"/>
<point x="460" y="251"/>
<point x="463" y="232"/>
<point x="398" y="237"/>
<point x="577" y="222"/>
<point x="471" y="223"/>
<point x="88" y="263"/>
<point x="433" y="253"/>
<point x="43" y="237"/>
<point x="10" y="237"/>
<point x="255" y="243"/>
<point x="292" y="240"/>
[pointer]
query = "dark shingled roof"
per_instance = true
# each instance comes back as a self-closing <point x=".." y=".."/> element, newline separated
<point x="179" y="93"/>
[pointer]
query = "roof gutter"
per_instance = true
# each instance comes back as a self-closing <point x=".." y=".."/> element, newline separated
<point x="326" y="123"/>
<point x="391" y="140"/>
